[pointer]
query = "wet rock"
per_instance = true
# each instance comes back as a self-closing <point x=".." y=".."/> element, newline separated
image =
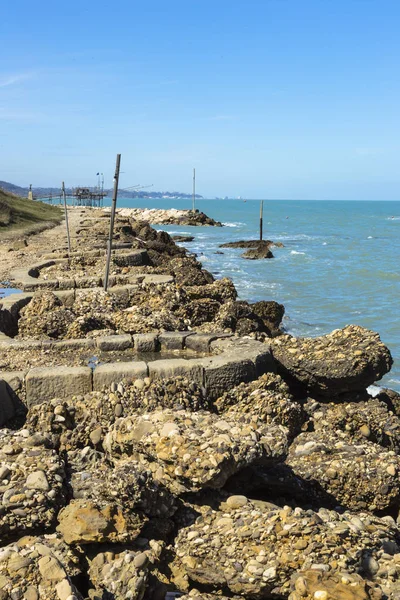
<point x="271" y="313"/>
<point x="189" y="451"/>
<point x="341" y="362"/>
<point x="356" y="475"/>
<point x="255" y="550"/>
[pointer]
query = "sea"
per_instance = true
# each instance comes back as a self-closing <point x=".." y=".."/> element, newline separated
<point x="339" y="263"/>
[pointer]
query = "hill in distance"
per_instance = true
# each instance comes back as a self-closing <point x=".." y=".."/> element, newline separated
<point x="44" y="192"/>
<point x="20" y="215"/>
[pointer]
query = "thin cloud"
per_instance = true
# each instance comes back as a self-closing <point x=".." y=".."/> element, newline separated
<point x="14" y="79"/>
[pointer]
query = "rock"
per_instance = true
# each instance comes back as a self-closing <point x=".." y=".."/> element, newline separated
<point x="315" y="584"/>
<point x="267" y="399"/>
<point x="356" y="475"/>
<point x="255" y="551"/>
<point x="37" y="481"/>
<point x="39" y="568"/>
<point x="197" y="449"/>
<point x="86" y="522"/>
<point x="329" y="366"/>
<point x="360" y="420"/>
<point x="7" y="403"/>
<point x="124" y="484"/>
<point x="122" y="575"/>
<point x="271" y="313"/>
<point x="262" y="251"/>
<point x="33" y="486"/>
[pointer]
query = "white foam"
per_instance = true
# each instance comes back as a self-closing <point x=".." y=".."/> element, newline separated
<point x="233" y="224"/>
<point x="374" y="390"/>
<point x="295" y="252"/>
<point x="324" y="243"/>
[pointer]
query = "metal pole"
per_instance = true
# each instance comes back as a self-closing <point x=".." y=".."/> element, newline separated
<point x="66" y="218"/>
<point x="261" y="219"/>
<point x="194" y="188"/>
<point x="112" y="218"/>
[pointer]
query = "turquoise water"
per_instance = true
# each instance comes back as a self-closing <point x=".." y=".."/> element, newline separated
<point x="339" y="264"/>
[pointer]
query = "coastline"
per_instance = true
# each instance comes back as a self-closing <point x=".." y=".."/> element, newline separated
<point x="258" y="464"/>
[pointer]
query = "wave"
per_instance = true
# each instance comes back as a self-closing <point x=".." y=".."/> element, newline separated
<point x="296" y="252"/>
<point x="374" y="390"/>
<point x="233" y="224"/>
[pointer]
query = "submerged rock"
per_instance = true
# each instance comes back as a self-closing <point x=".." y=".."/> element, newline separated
<point x="329" y="366"/>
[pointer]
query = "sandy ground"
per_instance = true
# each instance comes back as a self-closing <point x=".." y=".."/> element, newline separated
<point x="13" y="253"/>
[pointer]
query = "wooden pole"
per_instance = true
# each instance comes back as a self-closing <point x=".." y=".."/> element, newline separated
<point x="194" y="189"/>
<point x="66" y="218"/>
<point x="261" y="219"/>
<point x="112" y="219"/>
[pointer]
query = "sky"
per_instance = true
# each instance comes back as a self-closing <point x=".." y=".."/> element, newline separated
<point x="265" y="98"/>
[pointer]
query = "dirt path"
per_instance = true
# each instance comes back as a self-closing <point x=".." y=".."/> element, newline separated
<point x="14" y="253"/>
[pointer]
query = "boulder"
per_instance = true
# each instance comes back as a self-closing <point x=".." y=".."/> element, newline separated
<point x="267" y="399"/>
<point x="332" y="365"/>
<point x="32" y="484"/>
<point x="190" y="451"/>
<point x="271" y="313"/>
<point x="122" y="574"/>
<point x="39" y="568"/>
<point x="254" y="550"/>
<point x="361" y="421"/>
<point x="356" y="475"/>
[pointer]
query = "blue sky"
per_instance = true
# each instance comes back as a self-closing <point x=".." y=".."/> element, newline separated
<point x="266" y="98"/>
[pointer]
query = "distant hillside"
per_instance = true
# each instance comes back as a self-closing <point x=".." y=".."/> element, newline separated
<point x="20" y="214"/>
<point x="44" y="192"/>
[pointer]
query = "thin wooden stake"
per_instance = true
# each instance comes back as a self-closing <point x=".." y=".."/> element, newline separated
<point x="66" y="218"/>
<point x="261" y="219"/>
<point x="194" y="189"/>
<point x="112" y="219"/>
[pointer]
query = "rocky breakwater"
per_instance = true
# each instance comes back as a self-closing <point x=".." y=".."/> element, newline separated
<point x="280" y="489"/>
<point x="171" y="216"/>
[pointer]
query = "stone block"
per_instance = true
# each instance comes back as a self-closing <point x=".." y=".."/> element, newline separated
<point x="67" y="297"/>
<point x="15" y="379"/>
<point x="43" y="383"/>
<point x="222" y="373"/>
<point x="199" y="342"/>
<point x="106" y="374"/>
<point x="146" y="342"/>
<point x="176" y="367"/>
<point x="66" y="284"/>
<point x="135" y="258"/>
<point x="109" y="343"/>
<point x="74" y="344"/>
<point x="173" y="340"/>
<point x="87" y="282"/>
<point x="7" y="407"/>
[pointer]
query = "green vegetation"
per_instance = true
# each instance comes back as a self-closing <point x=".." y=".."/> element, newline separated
<point x="20" y="215"/>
